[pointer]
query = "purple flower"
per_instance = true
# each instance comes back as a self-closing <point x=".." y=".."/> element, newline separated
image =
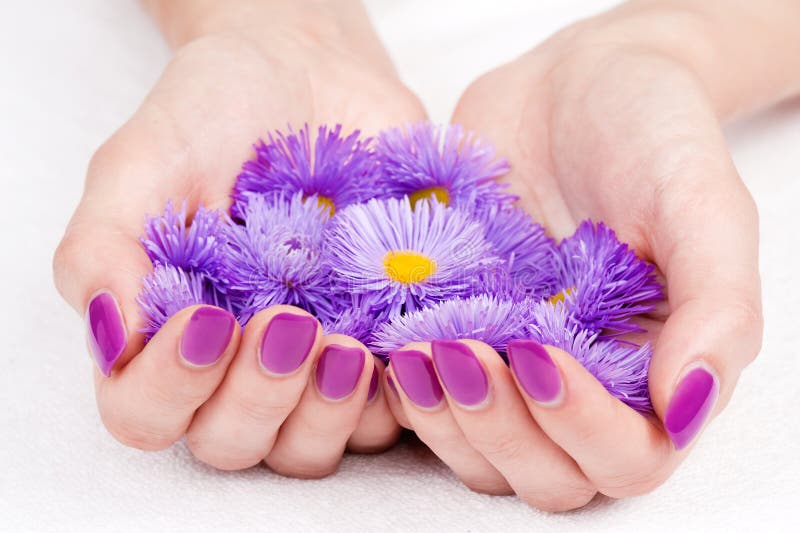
<point x="341" y="170"/>
<point x="355" y="320"/>
<point x="621" y="367"/>
<point x="197" y="247"/>
<point x="484" y="318"/>
<point x="457" y="168"/>
<point x="530" y="255"/>
<point x="165" y="291"/>
<point x="602" y="281"/>
<point x="399" y="258"/>
<point x="275" y="257"/>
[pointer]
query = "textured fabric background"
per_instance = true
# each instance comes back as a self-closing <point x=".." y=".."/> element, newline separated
<point x="71" y="72"/>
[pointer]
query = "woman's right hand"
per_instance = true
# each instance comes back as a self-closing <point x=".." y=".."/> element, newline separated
<point x="237" y="73"/>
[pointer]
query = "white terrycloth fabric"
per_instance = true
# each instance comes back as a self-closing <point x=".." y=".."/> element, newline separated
<point x="71" y="72"/>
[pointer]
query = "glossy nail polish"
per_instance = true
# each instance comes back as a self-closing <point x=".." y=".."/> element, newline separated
<point x="535" y="370"/>
<point x="392" y="386"/>
<point x="287" y="342"/>
<point x="106" y="331"/>
<point x="373" y="385"/>
<point x="415" y="374"/>
<point x="460" y="371"/>
<point x="338" y="370"/>
<point x="206" y="336"/>
<point x="690" y="406"/>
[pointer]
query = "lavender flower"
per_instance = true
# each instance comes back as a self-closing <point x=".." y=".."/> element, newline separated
<point x="484" y="318"/>
<point x="530" y="255"/>
<point x="197" y="247"/>
<point x="341" y="171"/>
<point x="621" y="367"/>
<point x="166" y="290"/>
<point x="275" y="257"/>
<point x="603" y="282"/>
<point x="455" y="167"/>
<point x="400" y="258"/>
<point x="355" y="320"/>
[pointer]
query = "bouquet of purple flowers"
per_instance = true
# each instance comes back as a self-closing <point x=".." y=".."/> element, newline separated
<point x="405" y="237"/>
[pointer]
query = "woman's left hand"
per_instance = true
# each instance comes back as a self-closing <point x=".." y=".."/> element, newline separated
<point x="598" y="127"/>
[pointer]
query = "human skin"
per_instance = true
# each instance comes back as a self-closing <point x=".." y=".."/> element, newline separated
<point x="615" y="118"/>
<point x="240" y="70"/>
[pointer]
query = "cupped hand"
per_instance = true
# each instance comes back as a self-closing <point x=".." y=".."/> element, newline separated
<point x="596" y="125"/>
<point x="200" y="376"/>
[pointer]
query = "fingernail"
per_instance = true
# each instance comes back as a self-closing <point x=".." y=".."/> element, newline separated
<point x="535" y="370"/>
<point x="106" y="331"/>
<point x="373" y="385"/>
<point x="461" y="372"/>
<point x="414" y="371"/>
<point x="206" y="336"/>
<point x="287" y="342"/>
<point x="338" y="370"/>
<point x="690" y="406"/>
<point x="392" y="386"/>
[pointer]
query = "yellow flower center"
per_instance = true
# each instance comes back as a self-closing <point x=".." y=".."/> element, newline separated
<point x="440" y="193"/>
<point x="407" y="266"/>
<point x="324" y="201"/>
<point x="561" y="296"/>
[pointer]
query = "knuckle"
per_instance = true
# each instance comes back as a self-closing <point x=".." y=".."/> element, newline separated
<point x="137" y="435"/>
<point x="66" y="260"/>
<point x="303" y="467"/>
<point x="260" y="410"/>
<point x="635" y="481"/>
<point x="220" y="455"/>
<point x="557" y="501"/>
<point x="745" y="315"/>
<point x="503" y="445"/>
<point x="488" y="485"/>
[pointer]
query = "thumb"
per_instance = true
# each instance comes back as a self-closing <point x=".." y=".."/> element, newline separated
<point x="99" y="265"/>
<point x="706" y="242"/>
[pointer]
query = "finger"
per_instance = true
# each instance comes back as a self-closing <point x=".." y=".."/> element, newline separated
<point x="620" y="451"/>
<point x="393" y="400"/>
<point x="311" y="442"/>
<point x="237" y="427"/>
<point x="150" y="403"/>
<point x="377" y="429"/>
<point x="99" y="264"/>
<point x="495" y="421"/>
<point x="706" y="242"/>
<point x="429" y="415"/>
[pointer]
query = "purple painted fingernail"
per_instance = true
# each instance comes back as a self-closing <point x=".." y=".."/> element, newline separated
<point x="690" y="405"/>
<point x="414" y="371"/>
<point x="287" y="342"/>
<point x="106" y="331"/>
<point x="206" y="336"/>
<point x="535" y="370"/>
<point x="338" y="370"/>
<point x="392" y="386"/>
<point x="461" y="372"/>
<point x="373" y="385"/>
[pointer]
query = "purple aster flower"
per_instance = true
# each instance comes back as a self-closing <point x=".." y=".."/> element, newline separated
<point x="275" y="257"/>
<point x="355" y="320"/>
<point x="168" y="289"/>
<point x="530" y="255"/>
<point x="197" y="246"/>
<point x="401" y="258"/>
<point x="455" y="167"/>
<point x="484" y="318"/>
<point x="341" y="170"/>
<point x="602" y="281"/>
<point x="621" y="367"/>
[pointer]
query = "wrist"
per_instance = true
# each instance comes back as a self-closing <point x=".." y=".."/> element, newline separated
<point x="183" y="21"/>
<point x="738" y="74"/>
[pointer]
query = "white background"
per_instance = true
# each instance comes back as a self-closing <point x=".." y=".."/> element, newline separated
<point x="71" y="72"/>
